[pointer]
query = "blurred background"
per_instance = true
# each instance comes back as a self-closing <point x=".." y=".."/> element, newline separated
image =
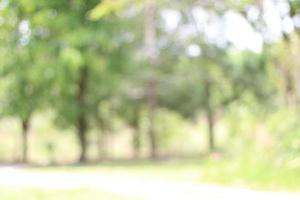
<point x="197" y="90"/>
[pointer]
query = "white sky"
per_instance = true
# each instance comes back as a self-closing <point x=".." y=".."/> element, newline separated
<point x="233" y="27"/>
<point x="241" y="34"/>
<point x="193" y="50"/>
<point x="24" y="29"/>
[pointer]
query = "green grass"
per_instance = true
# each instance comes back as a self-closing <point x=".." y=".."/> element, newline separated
<point x="254" y="173"/>
<point x="181" y="170"/>
<point x="262" y="175"/>
<point x="39" y="194"/>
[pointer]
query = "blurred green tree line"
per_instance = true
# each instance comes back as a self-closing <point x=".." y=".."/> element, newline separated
<point x="93" y="62"/>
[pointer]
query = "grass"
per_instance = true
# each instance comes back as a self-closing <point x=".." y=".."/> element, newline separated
<point x="180" y="170"/>
<point x="38" y="194"/>
<point x="252" y="173"/>
<point x="260" y="175"/>
<point x="257" y="174"/>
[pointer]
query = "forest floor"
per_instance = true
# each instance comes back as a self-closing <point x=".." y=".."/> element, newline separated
<point x="120" y="183"/>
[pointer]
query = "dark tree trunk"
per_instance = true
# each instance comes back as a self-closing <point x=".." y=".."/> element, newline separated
<point x="102" y="136"/>
<point x="81" y="120"/>
<point x="136" y="139"/>
<point x="25" y="129"/>
<point x="210" y="117"/>
<point x="82" y="138"/>
<point x="152" y="100"/>
<point x="211" y="127"/>
<point x="152" y="57"/>
<point x="102" y="144"/>
<point x="290" y="92"/>
<point x="136" y="143"/>
<point x="289" y="87"/>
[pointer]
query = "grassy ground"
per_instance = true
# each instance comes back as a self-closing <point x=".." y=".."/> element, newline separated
<point x="257" y="175"/>
<point x="261" y="175"/>
<point x="38" y="194"/>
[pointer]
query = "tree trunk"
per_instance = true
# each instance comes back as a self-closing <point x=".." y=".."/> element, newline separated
<point x="290" y="92"/>
<point x="25" y="128"/>
<point x="211" y="127"/>
<point x="152" y="58"/>
<point x="210" y="117"/>
<point x="82" y="138"/>
<point x="152" y="109"/>
<point x="102" y="137"/>
<point x="102" y="151"/>
<point x="136" y="143"/>
<point x="81" y="121"/>
<point x="136" y="139"/>
<point x="289" y="84"/>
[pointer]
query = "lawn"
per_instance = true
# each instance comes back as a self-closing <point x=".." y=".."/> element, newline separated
<point x="257" y="175"/>
<point x="47" y="194"/>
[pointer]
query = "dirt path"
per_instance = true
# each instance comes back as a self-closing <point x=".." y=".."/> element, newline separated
<point x="132" y="186"/>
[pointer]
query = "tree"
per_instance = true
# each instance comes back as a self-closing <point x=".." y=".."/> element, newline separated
<point x="86" y="56"/>
<point x="25" y="73"/>
<point x="151" y="52"/>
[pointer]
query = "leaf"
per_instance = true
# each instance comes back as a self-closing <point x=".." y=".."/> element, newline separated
<point x="105" y="8"/>
<point x="27" y="5"/>
<point x="72" y="57"/>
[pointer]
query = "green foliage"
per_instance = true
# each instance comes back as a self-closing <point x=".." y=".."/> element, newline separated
<point x="71" y="57"/>
<point x="288" y="133"/>
<point x="105" y="8"/>
<point x="85" y="61"/>
<point x="295" y="7"/>
<point x="170" y="129"/>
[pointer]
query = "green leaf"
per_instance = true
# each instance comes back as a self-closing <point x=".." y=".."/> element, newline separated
<point x="72" y="57"/>
<point x="105" y="8"/>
